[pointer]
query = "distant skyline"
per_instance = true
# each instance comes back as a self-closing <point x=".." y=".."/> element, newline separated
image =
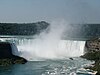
<point x="72" y="11"/>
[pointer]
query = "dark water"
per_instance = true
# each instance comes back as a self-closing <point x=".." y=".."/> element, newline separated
<point x="46" y="67"/>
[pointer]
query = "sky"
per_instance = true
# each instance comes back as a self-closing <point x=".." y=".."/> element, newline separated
<point x="73" y="11"/>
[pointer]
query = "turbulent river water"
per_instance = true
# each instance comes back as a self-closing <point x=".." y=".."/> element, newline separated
<point x="46" y="67"/>
<point x="62" y="59"/>
<point x="48" y="53"/>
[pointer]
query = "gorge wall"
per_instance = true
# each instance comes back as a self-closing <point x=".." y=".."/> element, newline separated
<point x="92" y="52"/>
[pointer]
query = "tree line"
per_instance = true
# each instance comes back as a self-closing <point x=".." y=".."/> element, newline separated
<point x="22" y="28"/>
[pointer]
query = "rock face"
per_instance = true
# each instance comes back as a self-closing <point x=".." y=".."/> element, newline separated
<point x="92" y="49"/>
<point x="92" y="52"/>
<point x="7" y="57"/>
<point x="92" y="45"/>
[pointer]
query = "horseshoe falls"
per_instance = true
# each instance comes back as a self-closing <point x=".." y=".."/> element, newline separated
<point x="37" y="49"/>
<point x="51" y="52"/>
<point x="50" y="44"/>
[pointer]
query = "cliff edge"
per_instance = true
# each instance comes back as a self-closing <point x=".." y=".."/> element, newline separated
<point x="92" y="52"/>
<point x="7" y="57"/>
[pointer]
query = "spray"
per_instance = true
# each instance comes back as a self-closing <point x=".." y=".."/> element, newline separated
<point x="50" y="45"/>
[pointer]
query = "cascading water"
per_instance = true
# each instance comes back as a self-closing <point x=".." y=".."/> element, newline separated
<point x="50" y="45"/>
<point x="63" y="49"/>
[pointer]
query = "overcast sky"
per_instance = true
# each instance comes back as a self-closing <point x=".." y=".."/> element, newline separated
<point x="74" y="11"/>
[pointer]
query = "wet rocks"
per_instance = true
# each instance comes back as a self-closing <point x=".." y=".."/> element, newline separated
<point x="92" y="52"/>
<point x="7" y="57"/>
<point x="92" y="49"/>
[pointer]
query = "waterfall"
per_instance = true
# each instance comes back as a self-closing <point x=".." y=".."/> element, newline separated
<point x="49" y="44"/>
<point x="37" y="49"/>
<point x="63" y="49"/>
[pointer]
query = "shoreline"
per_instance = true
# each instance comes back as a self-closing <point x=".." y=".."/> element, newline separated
<point x="92" y="53"/>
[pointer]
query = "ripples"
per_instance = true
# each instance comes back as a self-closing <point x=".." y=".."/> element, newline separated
<point x="66" y="67"/>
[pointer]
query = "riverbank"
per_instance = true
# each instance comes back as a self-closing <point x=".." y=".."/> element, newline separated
<point x="92" y="52"/>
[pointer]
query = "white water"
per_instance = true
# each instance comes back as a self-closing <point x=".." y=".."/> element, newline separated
<point x="49" y="44"/>
<point x="62" y="49"/>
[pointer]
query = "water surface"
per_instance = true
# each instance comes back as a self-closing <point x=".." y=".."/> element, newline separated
<point x="45" y="67"/>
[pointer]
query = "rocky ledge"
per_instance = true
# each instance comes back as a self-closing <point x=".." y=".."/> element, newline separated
<point x="7" y="57"/>
<point x="92" y="52"/>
